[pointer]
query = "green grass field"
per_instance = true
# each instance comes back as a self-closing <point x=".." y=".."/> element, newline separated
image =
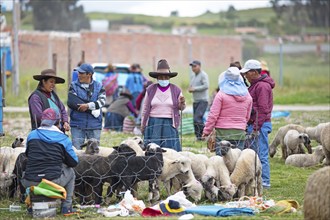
<point x="286" y="182"/>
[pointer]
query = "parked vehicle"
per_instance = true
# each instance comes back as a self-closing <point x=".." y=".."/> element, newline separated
<point x="121" y="68"/>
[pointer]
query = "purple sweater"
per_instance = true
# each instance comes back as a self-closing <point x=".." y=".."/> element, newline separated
<point x="35" y="104"/>
<point x="262" y="95"/>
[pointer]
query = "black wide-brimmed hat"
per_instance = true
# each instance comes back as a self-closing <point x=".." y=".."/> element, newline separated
<point x="49" y="73"/>
<point x="163" y="69"/>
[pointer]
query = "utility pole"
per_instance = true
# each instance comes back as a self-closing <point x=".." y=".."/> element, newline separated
<point x="69" y="62"/>
<point x="16" y="18"/>
<point x="281" y="61"/>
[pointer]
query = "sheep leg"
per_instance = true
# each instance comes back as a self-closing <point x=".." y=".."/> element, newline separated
<point x="135" y="190"/>
<point x="259" y="185"/>
<point x="284" y="152"/>
<point x="272" y="148"/>
<point x="241" y="190"/>
<point x="98" y="189"/>
<point x="167" y="185"/>
<point x="327" y="156"/>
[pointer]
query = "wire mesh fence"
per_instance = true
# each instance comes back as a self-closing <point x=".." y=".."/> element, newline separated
<point x="104" y="176"/>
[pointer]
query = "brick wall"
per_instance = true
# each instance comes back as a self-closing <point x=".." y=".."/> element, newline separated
<point x="36" y="49"/>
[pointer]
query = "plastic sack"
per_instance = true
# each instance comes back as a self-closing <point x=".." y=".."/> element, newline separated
<point x="132" y="204"/>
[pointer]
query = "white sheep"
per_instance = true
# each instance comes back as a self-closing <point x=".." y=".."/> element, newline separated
<point x="134" y="144"/>
<point x="279" y="138"/>
<point x="198" y="163"/>
<point x="189" y="184"/>
<point x="230" y="155"/>
<point x="217" y="174"/>
<point x="173" y="167"/>
<point x="293" y="141"/>
<point x="314" y="133"/>
<point x="247" y="169"/>
<point x="8" y="156"/>
<point x="325" y="141"/>
<point x="316" y="196"/>
<point x="306" y="160"/>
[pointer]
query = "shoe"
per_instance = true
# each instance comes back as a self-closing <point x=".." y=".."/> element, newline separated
<point x="266" y="186"/>
<point x="66" y="211"/>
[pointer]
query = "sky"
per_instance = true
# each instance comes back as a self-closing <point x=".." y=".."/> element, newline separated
<point x="162" y="8"/>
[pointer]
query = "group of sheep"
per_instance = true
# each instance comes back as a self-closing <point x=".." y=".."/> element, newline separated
<point x="292" y="137"/>
<point x="122" y="167"/>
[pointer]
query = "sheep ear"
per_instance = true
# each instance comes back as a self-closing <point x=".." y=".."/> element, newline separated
<point x="21" y="140"/>
<point x="187" y="185"/>
<point x="175" y="161"/>
<point x="83" y="145"/>
<point x="116" y="148"/>
<point x="163" y="150"/>
<point x="300" y="136"/>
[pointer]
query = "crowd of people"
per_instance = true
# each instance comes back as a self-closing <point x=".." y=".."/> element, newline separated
<point x="241" y="105"/>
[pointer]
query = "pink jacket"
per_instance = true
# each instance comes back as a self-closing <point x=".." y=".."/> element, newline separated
<point x="228" y="112"/>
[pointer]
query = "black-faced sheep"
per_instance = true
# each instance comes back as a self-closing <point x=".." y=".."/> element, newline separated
<point x="325" y="141"/>
<point x="93" y="170"/>
<point x="316" y="196"/>
<point x="293" y="141"/>
<point x="279" y="137"/>
<point x="140" y="168"/>
<point x="306" y="160"/>
<point x="18" y="142"/>
<point x="314" y="133"/>
<point x="246" y="171"/>
<point x="92" y="147"/>
<point x="20" y="166"/>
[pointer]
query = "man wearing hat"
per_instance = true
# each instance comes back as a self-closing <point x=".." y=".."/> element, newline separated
<point x="199" y="87"/>
<point x="161" y="109"/>
<point x="51" y="156"/>
<point x="86" y="117"/>
<point x="260" y="121"/>
<point x="45" y="97"/>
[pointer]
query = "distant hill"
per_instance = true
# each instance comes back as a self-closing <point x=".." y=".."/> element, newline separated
<point x="208" y="23"/>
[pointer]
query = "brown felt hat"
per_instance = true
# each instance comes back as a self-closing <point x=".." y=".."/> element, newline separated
<point x="163" y="69"/>
<point x="49" y="73"/>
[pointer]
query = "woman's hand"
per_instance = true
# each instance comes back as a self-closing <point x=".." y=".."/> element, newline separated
<point x="66" y="126"/>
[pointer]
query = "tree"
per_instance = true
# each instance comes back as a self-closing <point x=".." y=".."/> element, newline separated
<point x="60" y="15"/>
<point x="231" y="12"/>
<point x="314" y="13"/>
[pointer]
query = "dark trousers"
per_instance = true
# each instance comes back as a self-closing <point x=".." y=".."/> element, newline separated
<point x="199" y="109"/>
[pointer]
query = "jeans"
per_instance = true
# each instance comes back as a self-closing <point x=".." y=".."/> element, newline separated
<point x="262" y="150"/>
<point x="199" y="109"/>
<point x="66" y="180"/>
<point x="79" y="135"/>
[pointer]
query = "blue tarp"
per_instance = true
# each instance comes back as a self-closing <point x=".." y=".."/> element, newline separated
<point x="219" y="211"/>
<point x="7" y="51"/>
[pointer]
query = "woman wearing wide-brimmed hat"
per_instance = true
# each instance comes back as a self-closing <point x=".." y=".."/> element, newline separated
<point x="118" y="110"/>
<point x="161" y="109"/>
<point x="45" y="97"/>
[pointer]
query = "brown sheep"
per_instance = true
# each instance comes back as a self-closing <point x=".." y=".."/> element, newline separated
<point x="317" y="195"/>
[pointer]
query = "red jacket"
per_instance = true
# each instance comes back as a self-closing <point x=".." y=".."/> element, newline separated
<point x="262" y="95"/>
